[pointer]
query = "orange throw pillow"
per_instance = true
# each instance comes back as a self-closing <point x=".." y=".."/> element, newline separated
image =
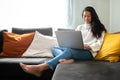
<point x="14" y="45"/>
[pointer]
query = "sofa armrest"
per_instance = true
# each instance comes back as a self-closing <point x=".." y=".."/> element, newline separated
<point x="1" y="38"/>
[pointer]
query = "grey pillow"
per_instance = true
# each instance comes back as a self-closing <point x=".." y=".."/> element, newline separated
<point x="45" y="31"/>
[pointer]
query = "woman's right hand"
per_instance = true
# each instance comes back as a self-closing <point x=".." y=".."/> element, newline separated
<point x="86" y="46"/>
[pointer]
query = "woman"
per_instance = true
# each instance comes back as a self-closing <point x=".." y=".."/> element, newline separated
<point x="93" y="34"/>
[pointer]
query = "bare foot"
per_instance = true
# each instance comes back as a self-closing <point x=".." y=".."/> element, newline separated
<point x="66" y="61"/>
<point x="34" y="69"/>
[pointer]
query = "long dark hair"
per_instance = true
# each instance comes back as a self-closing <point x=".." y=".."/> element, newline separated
<point x="96" y="26"/>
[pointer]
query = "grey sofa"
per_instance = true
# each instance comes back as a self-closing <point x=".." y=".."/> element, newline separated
<point x="9" y="67"/>
<point x="88" y="70"/>
<point x="80" y="70"/>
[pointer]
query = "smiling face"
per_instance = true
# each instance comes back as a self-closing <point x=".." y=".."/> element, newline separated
<point x="87" y="17"/>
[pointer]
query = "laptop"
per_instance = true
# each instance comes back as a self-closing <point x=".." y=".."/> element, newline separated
<point x="70" y="39"/>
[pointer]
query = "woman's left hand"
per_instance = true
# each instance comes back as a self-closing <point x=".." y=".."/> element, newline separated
<point x="86" y="46"/>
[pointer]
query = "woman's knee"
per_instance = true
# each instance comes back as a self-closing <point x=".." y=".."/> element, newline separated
<point x="56" y="50"/>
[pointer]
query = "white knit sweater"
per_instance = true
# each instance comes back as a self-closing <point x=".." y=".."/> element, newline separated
<point x="89" y="39"/>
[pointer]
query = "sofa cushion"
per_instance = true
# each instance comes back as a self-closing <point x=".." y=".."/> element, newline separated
<point x="28" y="60"/>
<point x="45" y="31"/>
<point x="40" y="46"/>
<point x="1" y="39"/>
<point x="14" y="45"/>
<point x="87" y="70"/>
<point x="110" y="49"/>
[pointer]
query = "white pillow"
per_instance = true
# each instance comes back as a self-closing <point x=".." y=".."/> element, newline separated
<point x="40" y="46"/>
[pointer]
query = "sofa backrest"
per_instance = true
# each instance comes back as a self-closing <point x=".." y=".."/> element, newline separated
<point x="45" y="31"/>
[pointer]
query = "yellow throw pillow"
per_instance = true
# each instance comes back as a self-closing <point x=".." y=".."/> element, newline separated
<point x="14" y="45"/>
<point x="110" y="49"/>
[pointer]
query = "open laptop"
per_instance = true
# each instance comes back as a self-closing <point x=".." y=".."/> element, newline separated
<point x="69" y="39"/>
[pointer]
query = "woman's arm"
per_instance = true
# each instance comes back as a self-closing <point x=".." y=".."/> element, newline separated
<point x="97" y="45"/>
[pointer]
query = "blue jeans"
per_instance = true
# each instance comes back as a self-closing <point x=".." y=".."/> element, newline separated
<point x="68" y="53"/>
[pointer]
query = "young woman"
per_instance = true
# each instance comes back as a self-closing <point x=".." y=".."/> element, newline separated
<point x="93" y="34"/>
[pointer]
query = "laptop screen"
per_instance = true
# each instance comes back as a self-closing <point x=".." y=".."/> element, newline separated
<point x="69" y="39"/>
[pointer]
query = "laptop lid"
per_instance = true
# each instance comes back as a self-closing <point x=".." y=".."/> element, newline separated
<point x="69" y="39"/>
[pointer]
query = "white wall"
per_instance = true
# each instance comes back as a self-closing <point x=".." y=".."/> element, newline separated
<point x="114" y="15"/>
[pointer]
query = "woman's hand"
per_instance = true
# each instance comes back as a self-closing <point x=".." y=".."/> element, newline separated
<point x="86" y="46"/>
